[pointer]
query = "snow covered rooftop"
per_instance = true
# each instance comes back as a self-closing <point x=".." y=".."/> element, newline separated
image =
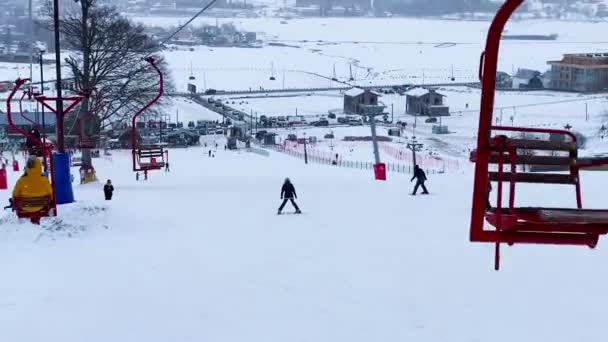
<point x="417" y="92"/>
<point x="354" y="92"/>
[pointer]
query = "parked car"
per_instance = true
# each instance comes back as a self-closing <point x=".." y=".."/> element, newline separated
<point x="431" y="120"/>
<point x="342" y="120"/>
<point x="210" y="92"/>
<point x="331" y="115"/>
<point x="320" y="123"/>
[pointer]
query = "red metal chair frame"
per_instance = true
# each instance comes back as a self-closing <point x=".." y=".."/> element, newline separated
<point x="557" y="226"/>
<point x="148" y="152"/>
<point x="44" y="147"/>
<point x="26" y="93"/>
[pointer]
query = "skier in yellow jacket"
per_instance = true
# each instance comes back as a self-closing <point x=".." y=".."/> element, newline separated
<point x="32" y="186"/>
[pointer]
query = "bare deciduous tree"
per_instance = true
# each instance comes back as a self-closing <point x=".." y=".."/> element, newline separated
<point x="106" y="57"/>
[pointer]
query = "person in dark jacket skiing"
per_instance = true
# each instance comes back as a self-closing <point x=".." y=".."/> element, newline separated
<point x="420" y="177"/>
<point x="108" y="190"/>
<point x="288" y="193"/>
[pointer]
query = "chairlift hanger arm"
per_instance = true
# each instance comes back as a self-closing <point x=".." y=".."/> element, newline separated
<point x="18" y="84"/>
<point x="488" y="88"/>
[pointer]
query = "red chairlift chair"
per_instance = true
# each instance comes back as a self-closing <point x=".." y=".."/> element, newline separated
<point x="148" y="157"/>
<point x="533" y="225"/>
<point x="47" y="205"/>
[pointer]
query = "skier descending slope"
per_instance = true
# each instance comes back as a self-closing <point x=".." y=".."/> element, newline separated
<point x="288" y="193"/>
<point x="420" y="177"/>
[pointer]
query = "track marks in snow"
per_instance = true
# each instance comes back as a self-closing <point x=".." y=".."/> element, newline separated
<point x="75" y="220"/>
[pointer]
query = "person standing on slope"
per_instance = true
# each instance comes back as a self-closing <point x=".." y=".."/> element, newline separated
<point x="108" y="190"/>
<point x="420" y="177"/>
<point x="288" y="193"/>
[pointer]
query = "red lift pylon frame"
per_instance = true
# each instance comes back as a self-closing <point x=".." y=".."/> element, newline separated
<point x="557" y="226"/>
<point x="149" y="153"/>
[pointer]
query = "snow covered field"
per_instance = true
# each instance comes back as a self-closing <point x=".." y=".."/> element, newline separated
<point x="199" y="254"/>
<point x="380" y="50"/>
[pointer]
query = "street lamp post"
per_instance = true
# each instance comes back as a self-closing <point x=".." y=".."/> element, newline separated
<point x="42" y="90"/>
<point x="43" y="119"/>
<point x="414" y="146"/>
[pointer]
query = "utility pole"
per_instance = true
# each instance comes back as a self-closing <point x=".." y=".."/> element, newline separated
<point x="414" y="146"/>
<point x="42" y="107"/>
<point x="392" y="112"/>
<point x="59" y="105"/>
<point x="305" y="153"/>
<point x="371" y="111"/>
<point x="31" y="29"/>
<point x="586" y="111"/>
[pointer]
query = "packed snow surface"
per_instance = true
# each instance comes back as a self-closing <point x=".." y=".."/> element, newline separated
<point x="200" y="254"/>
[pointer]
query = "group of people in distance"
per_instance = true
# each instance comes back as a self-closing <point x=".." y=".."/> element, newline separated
<point x="34" y="180"/>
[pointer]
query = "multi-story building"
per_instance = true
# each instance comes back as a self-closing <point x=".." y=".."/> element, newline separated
<point x="583" y="72"/>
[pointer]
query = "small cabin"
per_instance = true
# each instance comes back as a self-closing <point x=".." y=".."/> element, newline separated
<point x="426" y="102"/>
<point x="503" y="80"/>
<point x="356" y="98"/>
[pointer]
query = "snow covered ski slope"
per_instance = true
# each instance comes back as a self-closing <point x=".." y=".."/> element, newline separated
<point x="199" y="254"/>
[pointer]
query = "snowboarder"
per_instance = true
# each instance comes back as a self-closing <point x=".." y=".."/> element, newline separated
<point x="108" y="190"/>
<point x="420" y="177"/>
<point x="145" y="174"/>
<point x="167" y="167"/>
<point x="209" y="153"/>
<point x="288" y="193"/>
<point x="137" y="176"/>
